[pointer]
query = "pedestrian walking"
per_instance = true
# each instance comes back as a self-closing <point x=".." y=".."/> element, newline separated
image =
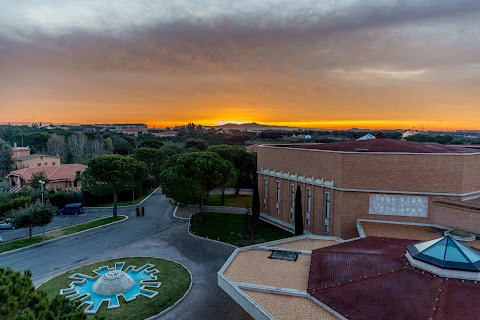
<point x="143" y="211"/>
<point x="137" y="209"/>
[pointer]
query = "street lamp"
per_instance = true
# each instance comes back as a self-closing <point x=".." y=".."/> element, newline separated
<point x="42" y="183"/>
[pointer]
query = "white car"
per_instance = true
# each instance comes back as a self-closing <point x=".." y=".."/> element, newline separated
<point x="6" y="224"/>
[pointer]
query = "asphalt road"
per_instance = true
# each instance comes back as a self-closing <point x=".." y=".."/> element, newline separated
<point x="63" y="221"/>
<point x="158" y="234"/>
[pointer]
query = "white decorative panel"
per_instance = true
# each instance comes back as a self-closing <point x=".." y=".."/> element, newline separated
<point x="398" y="205"/>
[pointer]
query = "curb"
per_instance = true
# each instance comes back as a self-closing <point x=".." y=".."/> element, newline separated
<point x="208" y="239"/>
<point x="175" y="216"/>
<point x="156" y="315"/>
<point x="93" y="258"/>
<point x="127" y="206"/>
<point x="68" y="235"/>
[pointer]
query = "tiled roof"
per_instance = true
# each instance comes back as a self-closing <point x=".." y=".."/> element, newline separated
<point x="384" y="145"/>
<point x="54" y="173"/>
<point x="370" y="278"/>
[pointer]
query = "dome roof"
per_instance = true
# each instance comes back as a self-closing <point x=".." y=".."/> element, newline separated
<point x="114" y="281"/>
<point x="446" y="253"/>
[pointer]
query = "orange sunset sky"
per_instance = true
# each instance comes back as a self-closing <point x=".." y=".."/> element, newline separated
<point x="317" y="64"/>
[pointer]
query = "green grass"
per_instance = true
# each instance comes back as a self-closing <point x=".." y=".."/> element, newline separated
<point x="228" y="228"/>
<point x="20" y="243"/>
<point x="122" y="203"/>
<point x="174" y="277"/>
<point x="231" y="200"/>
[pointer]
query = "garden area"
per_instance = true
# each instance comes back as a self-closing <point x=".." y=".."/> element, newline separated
<point x="231" y="200"/>
<point x="229" y="228"/>
<point x="175" y="281"/>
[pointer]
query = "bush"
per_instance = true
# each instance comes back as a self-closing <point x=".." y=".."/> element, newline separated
<point x="61" y="199"/>
<point x="12" y="202"/>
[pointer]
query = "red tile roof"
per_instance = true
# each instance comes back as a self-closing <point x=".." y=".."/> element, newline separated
<point x="384" y="145"/>
<point x="370" y="278"/>
<point x="54" y="173"/>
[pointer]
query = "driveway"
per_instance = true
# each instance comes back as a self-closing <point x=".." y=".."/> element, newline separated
<point x="158" y="234"/>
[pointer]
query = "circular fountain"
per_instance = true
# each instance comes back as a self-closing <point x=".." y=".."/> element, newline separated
<point x="114" y="281"/>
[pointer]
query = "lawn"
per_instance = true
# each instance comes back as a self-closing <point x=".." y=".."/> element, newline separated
<point x="228" y="228"/>
<point x="20" y="243"/>
<point x="122" y="203"/>
<point x="174" y="277"/>
<point x="231" y="200"/>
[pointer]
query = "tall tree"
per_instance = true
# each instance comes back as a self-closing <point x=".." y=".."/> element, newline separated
<point x="20" y="300"/>
<point x="151" y="143"/>
<point x="153" y="159"/>
<point x="255" y="202"/>
<point x="36" y="177"/>
<point x="242" y="161"/>
<point x="96" y="147"/>
<point x="6" y="158"/>
<point x="111" y="174"/>
<point x="77" y="146"/>
<point x="190" y="177"/>
<point x="109" y="145"/>
<point x="196" y="145"/>
<point x="37" y="215"/>
<point x="298" y="212"/>
<point x="56" y="146"/>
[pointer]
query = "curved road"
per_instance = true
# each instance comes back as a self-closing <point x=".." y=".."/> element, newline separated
<point x="158" y="234"/>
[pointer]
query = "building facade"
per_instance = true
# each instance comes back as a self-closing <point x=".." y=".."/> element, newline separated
<point x="379" y="179"/>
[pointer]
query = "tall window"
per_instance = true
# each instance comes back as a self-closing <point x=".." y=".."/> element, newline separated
<point x="278" y="197"/>
<point x="309" y="205"/>
<point x="327" y="212"/>
<point x="265" y="193"/>
<point x="292" y="202"/>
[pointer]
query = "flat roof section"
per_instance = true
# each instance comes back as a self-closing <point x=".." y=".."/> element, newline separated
<point x="406" y="231"/>
<point x="254" y="266"/>
<point x="384" y="145"/>
<point x="283" y="307"/>
<point x="305" y="244"/>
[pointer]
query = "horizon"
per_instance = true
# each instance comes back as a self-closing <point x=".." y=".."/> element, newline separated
<point x="338" y="65"/>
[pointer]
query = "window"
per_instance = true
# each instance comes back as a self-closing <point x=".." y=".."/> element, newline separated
<point x="278" y="197"/>
<point x="53" y="163"/>
<point x="327" y="212"/>
<point x="265" y="193"/>
<point x="309" y="205"/>
<point x="39" y="164"/>
<point x="292" y="202"/>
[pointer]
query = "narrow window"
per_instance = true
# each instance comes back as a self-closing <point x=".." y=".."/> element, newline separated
<point x="309" y="205"/>
<point x="265" y="192"/>
<point x="278" y="197"/>
<point x="327" y="212"/>
<point x="292" y="203"/>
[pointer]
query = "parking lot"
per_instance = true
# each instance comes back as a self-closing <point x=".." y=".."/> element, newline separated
<point x="63" y="221"/>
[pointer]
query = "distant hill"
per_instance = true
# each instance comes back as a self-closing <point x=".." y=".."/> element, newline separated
<point x="253" y="126"/>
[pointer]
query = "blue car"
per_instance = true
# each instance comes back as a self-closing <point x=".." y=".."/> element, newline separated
<point x="72" y="208"/>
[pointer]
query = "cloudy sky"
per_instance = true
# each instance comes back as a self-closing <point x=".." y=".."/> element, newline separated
<point x="314" y="63"/>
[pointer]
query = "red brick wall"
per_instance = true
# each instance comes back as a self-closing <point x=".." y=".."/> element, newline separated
<point x="457" y="218"/>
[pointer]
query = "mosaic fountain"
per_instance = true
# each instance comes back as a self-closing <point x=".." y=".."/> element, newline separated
<point x="111" y="283"/>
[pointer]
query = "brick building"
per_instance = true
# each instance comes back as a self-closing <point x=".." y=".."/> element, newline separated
<point x="379" y="179"/>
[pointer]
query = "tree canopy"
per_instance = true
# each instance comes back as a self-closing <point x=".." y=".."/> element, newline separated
<point x="153" y="159"/>
<point x="242" y="161"/>
<point x="190" y="177"/>
<point x="110" y="174"/>
<point x="151" y="143"/>
<point x="20" y="300"/>
<point x="6" y="159"/>
<point x="36" y="215"/>
<point x="36" y="177"/>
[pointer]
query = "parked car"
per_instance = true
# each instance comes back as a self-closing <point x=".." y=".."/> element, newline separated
<point x="6" y="224"/>
<point x="72" y="208"/>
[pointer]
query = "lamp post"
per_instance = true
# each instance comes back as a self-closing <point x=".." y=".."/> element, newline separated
<point x="42" y="183"/>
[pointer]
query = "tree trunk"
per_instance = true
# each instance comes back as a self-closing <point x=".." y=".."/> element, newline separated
<point x="222" y="203"/>
<point x="202" y="211"/>
<point x="237" y="191"/>
<point x="115" y="200"/>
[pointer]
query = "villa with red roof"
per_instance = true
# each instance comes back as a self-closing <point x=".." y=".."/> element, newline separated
<point x="60" y="177"/>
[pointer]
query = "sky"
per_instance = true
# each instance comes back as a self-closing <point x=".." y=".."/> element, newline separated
<point x="311" y="63"/>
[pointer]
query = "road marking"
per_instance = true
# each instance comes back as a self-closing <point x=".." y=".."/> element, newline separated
<point x="67" y="218"/>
